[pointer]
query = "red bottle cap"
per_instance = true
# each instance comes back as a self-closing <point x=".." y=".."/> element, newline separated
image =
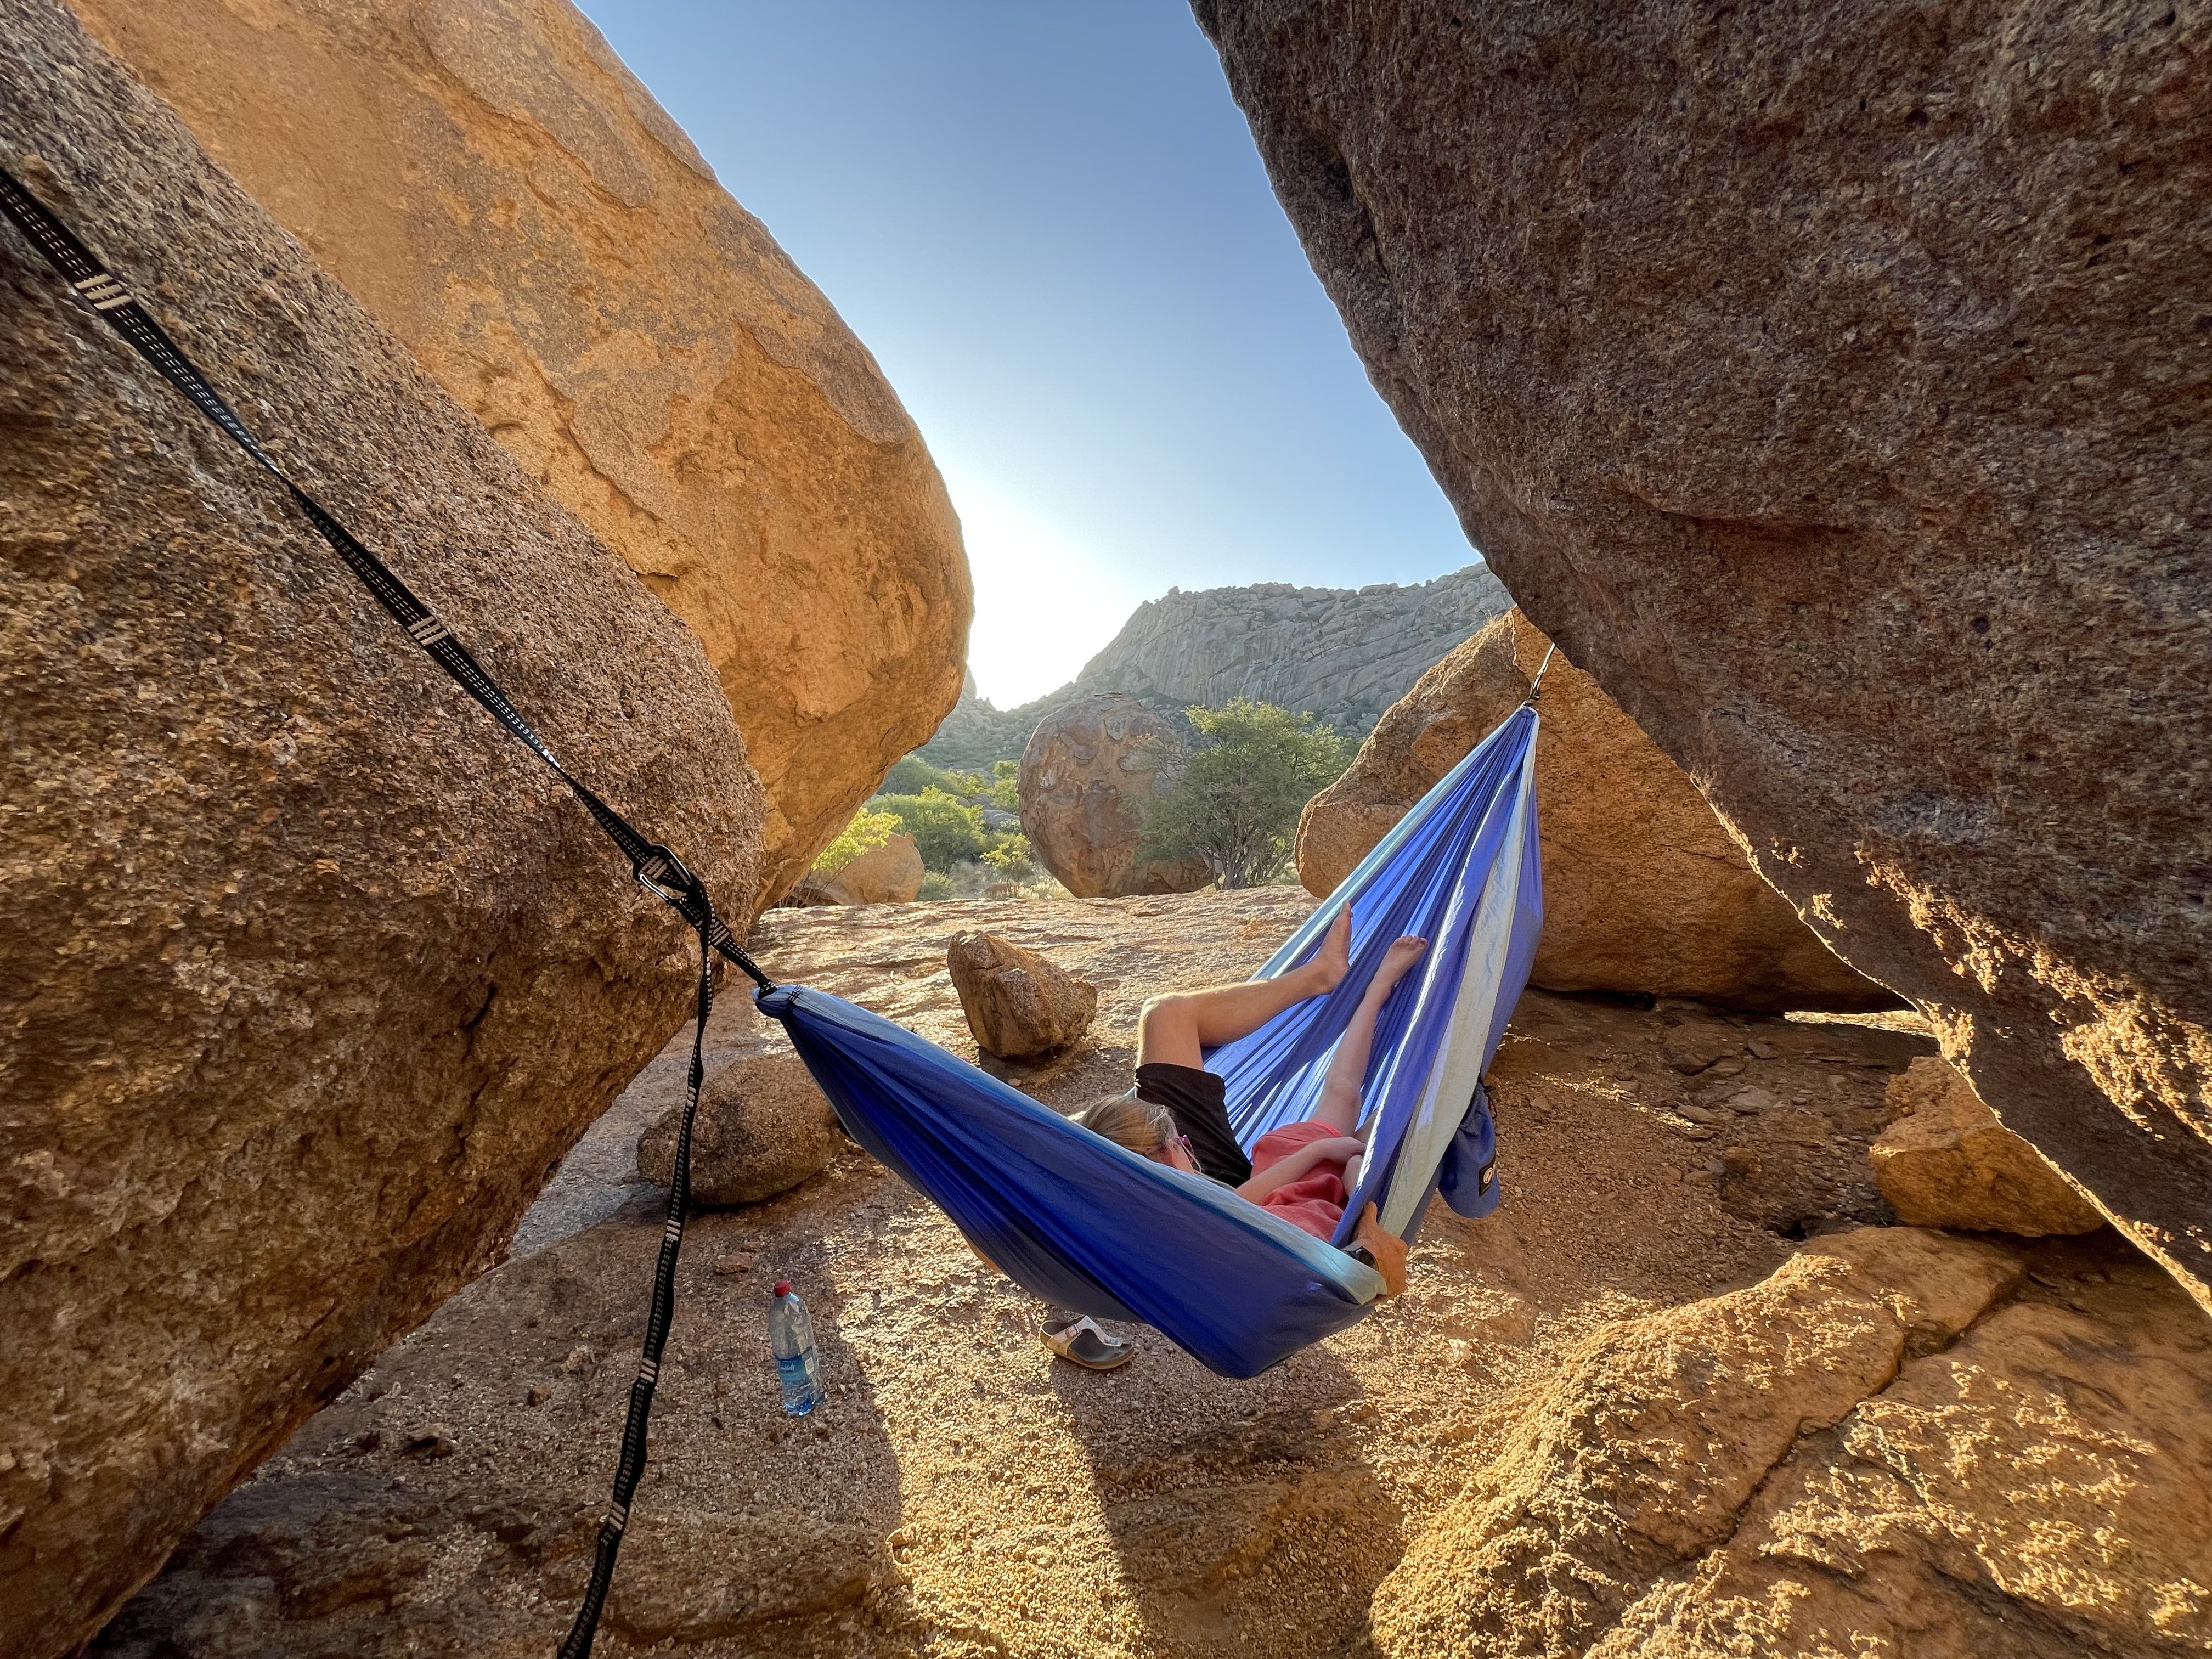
<point x="783" y="1287"/>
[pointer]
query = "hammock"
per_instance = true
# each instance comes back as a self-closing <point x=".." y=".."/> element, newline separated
<point x="1092" y="1227"/>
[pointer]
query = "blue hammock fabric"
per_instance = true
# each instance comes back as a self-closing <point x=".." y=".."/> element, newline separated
<point x="1460" y="870"/>
<point x="1092" y="1227"/>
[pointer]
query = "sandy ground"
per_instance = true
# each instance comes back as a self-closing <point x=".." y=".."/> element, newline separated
<point x="960" y="1492"/>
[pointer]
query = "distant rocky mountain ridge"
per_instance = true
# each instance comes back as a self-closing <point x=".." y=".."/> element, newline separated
<point x="1341" y="654"/>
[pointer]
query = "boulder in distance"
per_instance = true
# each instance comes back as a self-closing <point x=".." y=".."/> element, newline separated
<point x="1832" y="387"/>
<point x="489" y="179"/>
<point x="889" y="874"/>
<point x="1645" y="890"/>
<point x="763" y="1126"/>
<point x="309" y="974"/>
<point x="1019" y="1004"/>
<point x="1948" y="1162"/>
<point x="1085" y="774"/>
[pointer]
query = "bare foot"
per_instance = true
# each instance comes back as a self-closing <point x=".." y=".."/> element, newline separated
<point x="1403" y="953"/>
<point x="1333" y="961"/>
<point x="1388" y="1250"/>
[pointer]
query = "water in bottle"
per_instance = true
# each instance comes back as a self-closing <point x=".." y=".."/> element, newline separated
<point x="798" y="1367"/>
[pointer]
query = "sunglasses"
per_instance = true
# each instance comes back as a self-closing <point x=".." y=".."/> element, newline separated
<point x="1159" y="1153"/>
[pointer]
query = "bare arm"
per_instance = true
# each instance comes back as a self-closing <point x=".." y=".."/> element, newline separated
<point x="1297" y="1165"/>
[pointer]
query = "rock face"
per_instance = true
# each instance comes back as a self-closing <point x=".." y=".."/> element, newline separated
<point x="1342" y="654"/>
<point x="1018" y="1004"/>
<point x="487" y="178"/>
<point x="308" y="975"/>
<point x="1775" y="1471"/>
<point x="889" y="874"/>
<point x="1946" y="1162"/>
<point x="1084" y="775"/>
<point x="1831" y="387"/>
<point x="1643" y="889"/>
<point x="763" y="1128"/>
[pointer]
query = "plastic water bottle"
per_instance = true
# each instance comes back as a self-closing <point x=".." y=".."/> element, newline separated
<point x="798" y="1367"/>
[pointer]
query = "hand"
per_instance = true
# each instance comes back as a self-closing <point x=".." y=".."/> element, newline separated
<point x="1388" y="1250"/>
<point x="1340" y="1149"/>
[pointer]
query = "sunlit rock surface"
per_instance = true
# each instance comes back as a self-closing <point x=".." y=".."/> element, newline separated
<point x="1645" y="891"/>
<point x="487" y="178"/>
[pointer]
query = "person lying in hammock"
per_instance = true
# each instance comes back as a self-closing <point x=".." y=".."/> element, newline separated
<point x="1179" y="1114"/>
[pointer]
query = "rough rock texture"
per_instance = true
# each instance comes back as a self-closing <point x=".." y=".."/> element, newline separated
<point x="1343" y="654"/>
<point x="959" y="1492"/>
<point x="762" y="1128"/>
<point x="1946" y="1162"/>
<point x="889" y="874"/>
<point x="2039" y="1490"/>
<point x="1812" y="1466"/>
<point x="487" y="178"/>
<point x="1642" y="1453"/>
<point x="1085" y="774"/>
<point x="1018" y="1004"/>
<point x="1644" y="889"/>
<point x="1830" y="382"/>
<point x="308" y="975"/>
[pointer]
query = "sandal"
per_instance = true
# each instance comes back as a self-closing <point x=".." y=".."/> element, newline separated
<point x="1077" y="1339"/>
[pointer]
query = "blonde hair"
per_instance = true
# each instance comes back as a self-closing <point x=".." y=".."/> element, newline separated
<point x="1127" y="1121"/>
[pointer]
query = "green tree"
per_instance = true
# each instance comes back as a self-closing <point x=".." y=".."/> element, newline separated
<point x="1005" y="785"/>
<point x="867" y="831"/>
<point x="1233" y="799"/>
<point x="946" y="830"/>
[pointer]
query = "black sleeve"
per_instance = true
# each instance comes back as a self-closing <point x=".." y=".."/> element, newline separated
<point x="1197" y="1102"/>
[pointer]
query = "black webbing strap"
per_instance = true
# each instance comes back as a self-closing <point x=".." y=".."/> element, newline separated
<point x="654" y="866"/>
<point x="578" y="1644"/>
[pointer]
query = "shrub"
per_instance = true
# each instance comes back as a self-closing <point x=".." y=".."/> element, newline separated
<point x="1010" y="857"/>
<point x="1005" y="785"/>
<point x="867" y="831"/>
<point x="945" y="829"/>
<point x="935" y="886"/>
<point x="1234" y="799"/>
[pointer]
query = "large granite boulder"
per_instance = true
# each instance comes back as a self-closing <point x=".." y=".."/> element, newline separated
<point x="1946" y="1162"/>
<point x="1085" y="774"/>
<point x="308" y="975"/>
<point x="1869" y="1447"/>
<point x="487" y="178"/>
<point x="1829" y="381"/>
<point x="1644" y="889"/>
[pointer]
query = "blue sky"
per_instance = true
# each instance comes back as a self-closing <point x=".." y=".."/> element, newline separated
<point x="1046" y="220"/>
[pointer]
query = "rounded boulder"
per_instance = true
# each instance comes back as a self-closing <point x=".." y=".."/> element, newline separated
<point x="1085" y="774"/>
<point x="763" y="1126"/>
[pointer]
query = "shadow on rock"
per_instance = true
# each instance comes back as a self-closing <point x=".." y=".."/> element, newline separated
<point x="448" y="1503"/>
